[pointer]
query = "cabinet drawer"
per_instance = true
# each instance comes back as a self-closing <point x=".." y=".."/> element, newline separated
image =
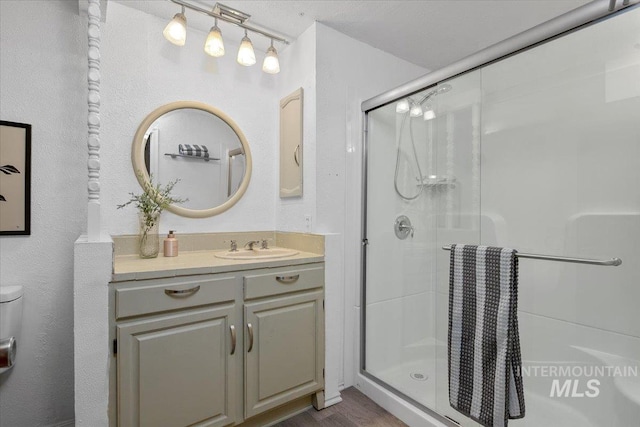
<point x="155" y="296"/>
<point x="283" y="280"/>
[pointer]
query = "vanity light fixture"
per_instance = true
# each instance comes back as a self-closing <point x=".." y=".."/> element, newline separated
<point x="214" y="45"/>
<point x="402" y="106"/>
<point x="429" y="114"/>
<point x="271" y="63"/>
<point x="176" y="30"/>
<point x="176" y="33"/>
<point x="246" y="55"/>
<point x="416" y="110"/>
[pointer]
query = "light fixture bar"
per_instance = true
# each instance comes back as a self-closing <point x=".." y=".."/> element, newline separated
<point x="231" y="13"/>
<point x="222" y="17"/>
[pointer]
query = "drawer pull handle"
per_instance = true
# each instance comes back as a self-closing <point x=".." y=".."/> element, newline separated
<point x="233" y="339"/>
<point x="287" y="279"/>
<point x="250" y="329"/>
<point x="182" y="292"/>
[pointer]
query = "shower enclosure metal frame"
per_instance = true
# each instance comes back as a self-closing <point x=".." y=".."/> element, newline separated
<point x="579" y="18"/>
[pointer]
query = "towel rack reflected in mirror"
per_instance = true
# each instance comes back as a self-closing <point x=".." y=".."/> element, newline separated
<point x="206" y="159"/>
<point x="614" y="262"/>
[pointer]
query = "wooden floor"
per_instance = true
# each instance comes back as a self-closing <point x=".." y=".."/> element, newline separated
<point x="355" y="410"/>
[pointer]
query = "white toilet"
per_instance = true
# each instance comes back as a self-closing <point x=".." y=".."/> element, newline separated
<point x="10" y="323"/>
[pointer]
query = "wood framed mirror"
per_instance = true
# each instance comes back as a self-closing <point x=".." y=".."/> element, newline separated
<point x="199" y="145"/>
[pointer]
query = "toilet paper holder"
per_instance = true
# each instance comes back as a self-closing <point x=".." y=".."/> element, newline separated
<point x="7" y="352"/>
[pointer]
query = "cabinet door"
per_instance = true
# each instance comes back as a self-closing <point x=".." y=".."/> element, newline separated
<point x="284" y="350"/>
<point x="291" y="117"/>
<point x="177" y="370"/>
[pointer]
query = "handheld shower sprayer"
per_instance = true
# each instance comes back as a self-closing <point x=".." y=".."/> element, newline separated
<point x="442" y="89"/>
<point x="414" y="108"/>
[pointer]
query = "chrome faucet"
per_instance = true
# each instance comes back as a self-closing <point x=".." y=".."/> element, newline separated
<point x="250" y="244"/>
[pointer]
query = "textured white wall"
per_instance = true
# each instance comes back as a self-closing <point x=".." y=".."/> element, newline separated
<point x="92" y="358"/>
<point x="43" y="82"/>
<point x="151" y="72"/>
<point x="300" y="71"/>
<point x="347" y="73"/>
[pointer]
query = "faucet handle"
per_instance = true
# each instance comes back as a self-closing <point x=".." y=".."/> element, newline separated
<point x="265" y="244"/>
<point x="234" y="246"/>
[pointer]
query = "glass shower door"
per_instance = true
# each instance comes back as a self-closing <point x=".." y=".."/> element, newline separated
<point x="399" y="297"/>
<point x="423" y="175"/>
<point x="559" y="174"/>
<point x="561" y="171"/>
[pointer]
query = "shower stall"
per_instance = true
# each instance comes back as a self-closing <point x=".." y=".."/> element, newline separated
<point x="536" y="148"/>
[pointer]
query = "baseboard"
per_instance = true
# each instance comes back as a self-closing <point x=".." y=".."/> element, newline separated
<point x="291" y="415"/>
<point x="332" y="401"/>
<point x="68" y="423"/>
<point x="398" y="407"/>
<point x="278" y="414"/>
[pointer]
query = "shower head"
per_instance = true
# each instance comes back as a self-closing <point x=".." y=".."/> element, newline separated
<point x="444" y="88"/>
<point x="408" y="105"/>
<point x="437" y="91"/>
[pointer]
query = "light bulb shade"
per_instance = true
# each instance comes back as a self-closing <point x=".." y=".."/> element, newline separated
<point x="271" y="63"/>
<point x="176" y="30"/>
<point x="214" y="45"/>
<point x="246" y="56"/>
<point x="429" y="115"/>
<point x="402" y="106"/>
<point x="416" y="110"/>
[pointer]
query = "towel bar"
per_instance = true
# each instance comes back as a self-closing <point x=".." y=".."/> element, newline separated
<point x="614" y="262"/>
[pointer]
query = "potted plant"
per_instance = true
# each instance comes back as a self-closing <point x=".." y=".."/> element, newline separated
<point x="154" y="199"/>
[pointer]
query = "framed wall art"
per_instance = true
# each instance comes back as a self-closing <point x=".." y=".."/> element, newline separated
<point x="15" y="178"/>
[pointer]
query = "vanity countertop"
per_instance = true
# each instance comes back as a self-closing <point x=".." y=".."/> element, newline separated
<point x="132" y="267"/>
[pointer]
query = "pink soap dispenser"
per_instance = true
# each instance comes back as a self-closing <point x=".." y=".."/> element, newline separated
<point x="171" y="244"/>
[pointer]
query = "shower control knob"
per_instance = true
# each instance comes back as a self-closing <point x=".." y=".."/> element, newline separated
<point x="403" y="228"/>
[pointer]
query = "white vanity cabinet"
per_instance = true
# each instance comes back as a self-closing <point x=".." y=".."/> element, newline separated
<point x="217" y="349"/>
<point x="284" y="358"/>
<point x="176" y="355"/>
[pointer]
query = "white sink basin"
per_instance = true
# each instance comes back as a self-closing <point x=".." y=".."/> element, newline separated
<point x="257" y="253"/>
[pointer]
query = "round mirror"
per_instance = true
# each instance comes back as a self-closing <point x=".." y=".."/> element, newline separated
<point x="199" y="145"/>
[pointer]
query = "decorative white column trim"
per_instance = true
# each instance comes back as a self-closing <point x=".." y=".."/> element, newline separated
<point x="92" y="264"/>
<point x="93" y="121"/>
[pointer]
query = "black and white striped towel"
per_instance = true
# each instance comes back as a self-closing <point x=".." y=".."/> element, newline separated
<point x="193" y="150"/>
<point x="485" y="381"/>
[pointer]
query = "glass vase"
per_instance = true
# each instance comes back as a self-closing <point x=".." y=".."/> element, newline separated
<point x="149" y="243"/>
